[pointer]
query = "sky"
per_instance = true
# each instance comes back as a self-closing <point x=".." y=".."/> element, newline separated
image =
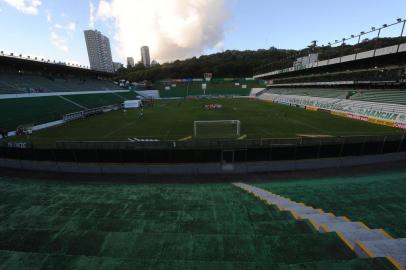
<point x="179" y="29"/>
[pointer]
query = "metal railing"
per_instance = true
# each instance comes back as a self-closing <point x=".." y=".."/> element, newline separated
<point x="204" y="151"/>
<point x="340" y="51"/>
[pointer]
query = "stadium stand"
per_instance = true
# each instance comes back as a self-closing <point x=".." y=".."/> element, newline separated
<point x="358" y="197"/>
<point x="40" y="110"/>
<point x="386" y="75"/>
<point x="384" y="96"/>
<point x="93" y="101"/>
<point x="54" y="225"/>
<point x="22" y="75"/>
<point x="359" y="237"/>
<point x="370" y="95"/>
<point x="354" y="104"/>
<point x="216" y="87"/>
<point x="327" y="93"/>
<point x="27" y="83"/>
<point x="14" y="112"/>
<point x="391" y="114"/>
<point x="393" y="54"/>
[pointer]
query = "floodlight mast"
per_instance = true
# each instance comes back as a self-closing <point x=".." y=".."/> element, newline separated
<point x="272" y="66"/>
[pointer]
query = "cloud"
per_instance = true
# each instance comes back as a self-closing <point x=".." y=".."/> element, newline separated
<point x="71" y="26"/>
<point x="91" y="15"/>
<point x="25" y="6"/>
<point x="60" y="34"/>
<point x="173" y="29"/>
<point x="49" y="16"/>
<point x="59" y="42"/>
<point x="58" y="26"/>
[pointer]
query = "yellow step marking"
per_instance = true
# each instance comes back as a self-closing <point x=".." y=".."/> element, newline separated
<point x="395" y="263"/>
<point x="365" y="249"/>
<point x="325" y="228"/>
<point x="345" y="240"/>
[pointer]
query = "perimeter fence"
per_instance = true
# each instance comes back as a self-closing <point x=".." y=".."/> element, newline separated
<point x="205" y="151"/>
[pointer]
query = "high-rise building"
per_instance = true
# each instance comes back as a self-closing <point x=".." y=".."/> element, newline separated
<point x="117" y="66"/>
<point x="130" y="62"/>
<point x="99" y="51"/>
<point x="145" y="58"/>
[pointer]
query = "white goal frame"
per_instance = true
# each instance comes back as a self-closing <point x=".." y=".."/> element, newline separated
<point x="237" y="122"/>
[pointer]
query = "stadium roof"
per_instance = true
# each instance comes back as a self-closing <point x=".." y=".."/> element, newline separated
<point x="27" y="63"/>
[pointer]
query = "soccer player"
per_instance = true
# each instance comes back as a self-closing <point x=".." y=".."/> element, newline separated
<point x="3" y="133"/>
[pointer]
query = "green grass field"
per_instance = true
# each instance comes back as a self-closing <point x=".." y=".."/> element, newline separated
<point x="174" y="120"/>
<point x="75" y="226"/>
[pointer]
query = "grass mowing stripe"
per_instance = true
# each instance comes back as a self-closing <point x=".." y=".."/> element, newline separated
<point x="169" y="120"/>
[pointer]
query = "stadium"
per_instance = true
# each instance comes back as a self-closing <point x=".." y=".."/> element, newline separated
<point x="300" y="166"/>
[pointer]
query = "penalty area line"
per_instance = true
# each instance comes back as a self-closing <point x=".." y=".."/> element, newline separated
<point x="185" y="138"/>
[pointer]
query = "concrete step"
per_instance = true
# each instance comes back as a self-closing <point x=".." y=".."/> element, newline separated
<point x="393" y="248"/>
<point x="356" y="235"/>
<point x="344" y="226"/>
<point x="301" y="210"/>
<point x="352" y="237"/>
<point x="325" y="218"/>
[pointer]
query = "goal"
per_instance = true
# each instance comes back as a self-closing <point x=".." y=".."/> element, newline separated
<point x="217" y="129"/>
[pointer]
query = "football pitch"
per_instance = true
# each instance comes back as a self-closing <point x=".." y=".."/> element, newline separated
<point x="174" y="120"/>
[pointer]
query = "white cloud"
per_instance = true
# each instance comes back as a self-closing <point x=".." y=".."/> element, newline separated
<point x="25" y="6"/>
<point x="59" y="42"/>
<point x="91" y="15"/>
<point x="71" y="26"/>
<point x="58" y="26"/>
<point x="171" y="28"/>
<point x="49" y="16"/>
<point x="60" y="34"/>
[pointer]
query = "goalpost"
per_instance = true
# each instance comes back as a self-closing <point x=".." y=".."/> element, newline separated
<point x="217" y="129"/>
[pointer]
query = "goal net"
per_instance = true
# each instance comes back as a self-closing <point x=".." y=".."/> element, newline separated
<point x="217" y="129"/>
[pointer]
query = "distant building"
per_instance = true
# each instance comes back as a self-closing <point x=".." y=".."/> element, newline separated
<point x="145" y="58"/>
<point x="117" y="66"/>
<point x="303" y="61"/>
<point x="130" y="62"/>
<point x="99" y="51"/>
